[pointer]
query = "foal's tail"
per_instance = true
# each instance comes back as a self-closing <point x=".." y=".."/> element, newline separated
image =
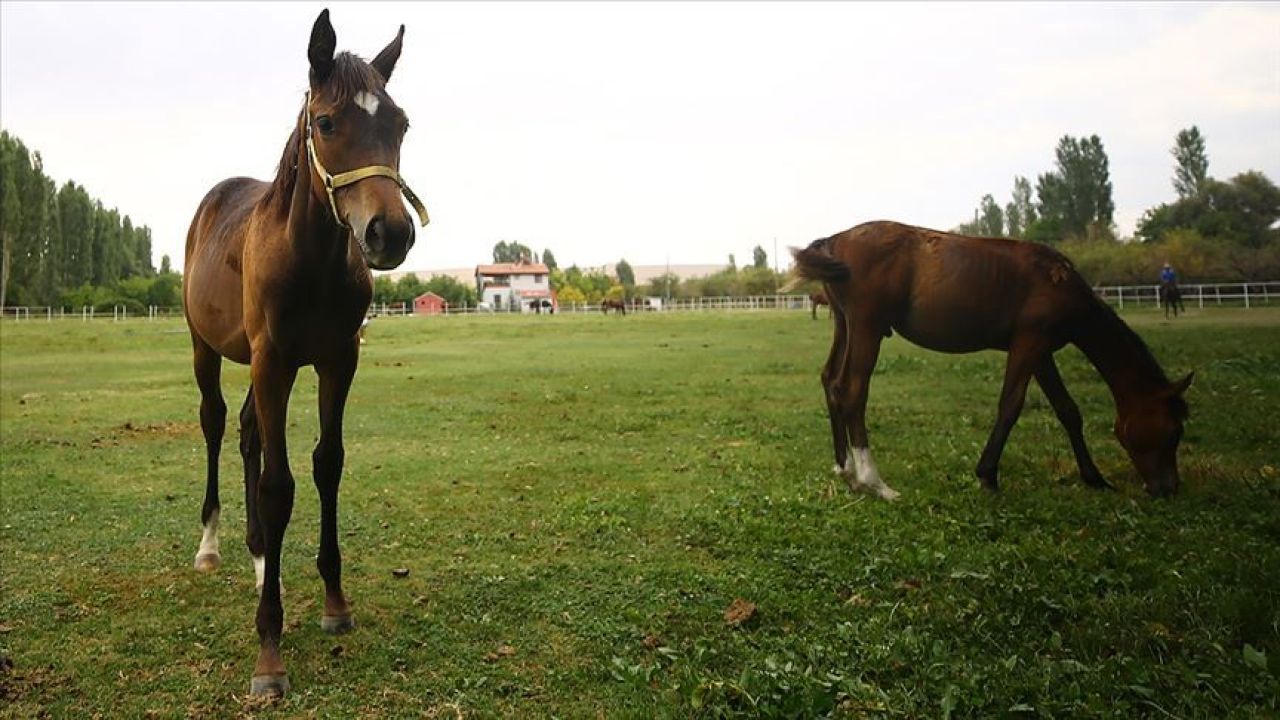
<point x="817" y="263"/>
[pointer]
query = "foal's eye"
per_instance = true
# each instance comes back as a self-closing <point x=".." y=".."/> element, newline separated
<point x="325" y="124"/>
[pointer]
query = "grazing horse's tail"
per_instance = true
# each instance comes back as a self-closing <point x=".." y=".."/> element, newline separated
<point x="817" y="263"/>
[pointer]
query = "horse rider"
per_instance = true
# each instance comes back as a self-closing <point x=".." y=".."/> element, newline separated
<point x="1167" y="275"/>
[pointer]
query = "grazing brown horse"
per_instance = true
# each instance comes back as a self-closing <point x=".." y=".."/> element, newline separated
<point x="607" y="305"/>
<point x="816" y="299"/>
<point x="277" y="277"/>
<point x="960" y="294"/>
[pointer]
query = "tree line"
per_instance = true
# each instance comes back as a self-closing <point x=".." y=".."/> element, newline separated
<point x="1214" y="230"/>
<point x="61" y="246"/>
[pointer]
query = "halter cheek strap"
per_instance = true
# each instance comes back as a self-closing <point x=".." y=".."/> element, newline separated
<point x="333" y="182"/>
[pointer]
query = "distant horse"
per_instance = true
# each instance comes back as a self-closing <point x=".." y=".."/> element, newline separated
<point x="961" y="294"/>
<point x="278" y="278"/>
<point x="816" y="299"/>
<point x="1171" y="298"/>
<point x="608" y="304"/>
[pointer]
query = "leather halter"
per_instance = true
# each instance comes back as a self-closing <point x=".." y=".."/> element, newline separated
<point x="342" y="179"/>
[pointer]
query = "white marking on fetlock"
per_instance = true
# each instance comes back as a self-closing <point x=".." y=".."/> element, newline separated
<point x="260" y="573"/>
<point x="869" y="476"/>
<point x="209" y="543"/>
<point x="367" y="101"/>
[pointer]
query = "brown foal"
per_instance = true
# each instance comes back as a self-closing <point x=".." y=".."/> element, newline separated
<point x="277" y="277"/>
<point x="961" y="294"/>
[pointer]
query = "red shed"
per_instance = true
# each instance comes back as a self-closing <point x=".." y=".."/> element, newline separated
<point x="428" y="303"/>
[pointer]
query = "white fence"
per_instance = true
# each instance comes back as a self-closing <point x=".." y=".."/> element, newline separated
<point x="1198" y="295"/>
<point x="1246" y="294"/>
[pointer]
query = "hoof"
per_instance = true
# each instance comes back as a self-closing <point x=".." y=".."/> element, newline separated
<point x="207" y="562"/>
<point x="992" y="486"/>
<point x="269" y="685"/>
<point x="337" y="624"/>
<point x="1097" y="482"/>
<point x="887" y="493"/>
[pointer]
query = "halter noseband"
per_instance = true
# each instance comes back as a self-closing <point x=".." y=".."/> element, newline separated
<point x="333" y="182"/>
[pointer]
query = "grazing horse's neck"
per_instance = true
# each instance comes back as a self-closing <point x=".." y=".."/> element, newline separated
<point x="1120" y="356"/>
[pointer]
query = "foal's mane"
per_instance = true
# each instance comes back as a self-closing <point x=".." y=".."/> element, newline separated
<point x="1141" y="353"/>
<point x="350" y="75"/>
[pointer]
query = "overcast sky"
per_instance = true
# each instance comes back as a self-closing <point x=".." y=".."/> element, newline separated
<point x="652" y="130"/>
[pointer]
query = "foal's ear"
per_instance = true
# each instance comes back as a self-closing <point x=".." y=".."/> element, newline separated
<point x="1178" y="387"/>
<point x="320" y="51"/>
<point x="386" y="60"/>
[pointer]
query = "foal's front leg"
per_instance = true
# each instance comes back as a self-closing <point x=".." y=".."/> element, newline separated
<point x="335" y="380"/>
<point x="1021" y="362"/>
<point x="273" y="378"/>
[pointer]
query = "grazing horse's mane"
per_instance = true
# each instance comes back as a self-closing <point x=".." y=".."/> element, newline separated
<point x="1140" y="352"/>
<point x="350" y="75"/>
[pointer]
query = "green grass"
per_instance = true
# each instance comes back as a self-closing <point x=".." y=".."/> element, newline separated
<point x="594" y="492"/>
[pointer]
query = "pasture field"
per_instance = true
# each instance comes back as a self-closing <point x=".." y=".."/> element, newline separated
<point x="579" y="499"/>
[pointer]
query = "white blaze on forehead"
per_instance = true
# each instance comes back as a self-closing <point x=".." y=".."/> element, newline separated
<point x="367" y="101"/>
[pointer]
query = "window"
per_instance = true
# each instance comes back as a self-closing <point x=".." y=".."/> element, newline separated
<point x="537" y="279"/>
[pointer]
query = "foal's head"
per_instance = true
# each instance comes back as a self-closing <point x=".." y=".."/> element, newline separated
<point x="1150" y="430"/>
<point x="354" y="124"/>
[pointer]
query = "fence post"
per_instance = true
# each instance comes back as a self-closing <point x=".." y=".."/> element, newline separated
<point x="1121" y="289"/>
<point x="1200" y="293"/>
<point x="1246" y="296"/>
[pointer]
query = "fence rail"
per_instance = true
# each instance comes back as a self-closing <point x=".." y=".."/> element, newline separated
<point x="1122" y="296"/>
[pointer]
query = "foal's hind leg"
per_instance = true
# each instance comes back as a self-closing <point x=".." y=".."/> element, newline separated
<point x="213" y="416"/>
<point x="251" y="454"/>
<point x="1068" y="413"/>
<point x="335" y="381"/>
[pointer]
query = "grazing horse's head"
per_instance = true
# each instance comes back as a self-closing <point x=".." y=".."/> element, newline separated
<point x="1150" y="430"/>
<point x="354" y="130"/>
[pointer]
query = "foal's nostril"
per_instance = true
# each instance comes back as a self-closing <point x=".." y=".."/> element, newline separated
<point x="375" y="234"/>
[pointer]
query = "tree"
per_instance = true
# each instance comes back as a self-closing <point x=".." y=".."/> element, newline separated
<point x="571" y="295"/>
<point x="511" y="252"/>
<point x="1077" y="194"/>
<point x="384" y="289"/>
<point x="165" y="267"/>
<point x="733" y="263"/>
<point x="990" y="218"/>
<point x="664" y="285"/>
<point x="549" y="260"/>
<point x="626" y="276"/>
<point x="456" y="294"/>
<point x="1238" y="213"/>
<point x="409" y="287"/>
<point x="1192" y="168"/>
<point x="1020" y="212"/>
<point x="759" y="259"/>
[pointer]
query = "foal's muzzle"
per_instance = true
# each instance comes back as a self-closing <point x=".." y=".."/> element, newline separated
<point x="385" y="241"/>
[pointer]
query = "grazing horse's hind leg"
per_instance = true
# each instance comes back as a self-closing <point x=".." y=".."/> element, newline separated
<point x="854" y="382"/>
<point x="1068" y="413"/>
<point x="1023" y="358"/>
<point x="327" y="459"/>
<point x="830" y="372"/>
<point x="213" y="417"/>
